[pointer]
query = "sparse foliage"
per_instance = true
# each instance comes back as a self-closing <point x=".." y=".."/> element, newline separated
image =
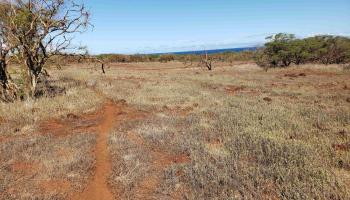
<point x="41" y="29"/>
<point x="8" y="90"/>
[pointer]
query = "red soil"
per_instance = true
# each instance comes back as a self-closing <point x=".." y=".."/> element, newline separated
<point x="71" y="125"/>
<point x="101" y="122"/>
<point x="54" y="186"/>
<point x="143" y="68"/>
<point x="231" y="89"/>
<point x="2" y="139"/>
<point x="24" y="167"/>
<point x="342" y="147"/>
<point x="98" y="188"/>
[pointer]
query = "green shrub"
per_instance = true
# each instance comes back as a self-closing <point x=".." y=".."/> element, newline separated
<point x="284" y="49"/>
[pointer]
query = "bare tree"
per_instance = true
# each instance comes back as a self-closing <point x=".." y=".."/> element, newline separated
<point x="83" y="57"/>
<point x="206" y="61"/>
<point x="8" y="90"/>
<point x="43" y="28"/>
<point x="203" y="61"/>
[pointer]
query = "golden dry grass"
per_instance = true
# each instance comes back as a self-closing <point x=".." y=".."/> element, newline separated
<point x="248" y="134"/>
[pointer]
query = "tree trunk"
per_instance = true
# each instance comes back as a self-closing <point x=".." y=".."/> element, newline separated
<point x="209" y="66"/>
<point x="32" y="77"/>
<point x="103" y="68"/>
<point x="298" y="60"/>
<point x="8" y="90"/>
<point x="207" y="62"/>
<point x="286" y="63"/>
<point x="32" y="83"/>
<point x="3" y="74"/>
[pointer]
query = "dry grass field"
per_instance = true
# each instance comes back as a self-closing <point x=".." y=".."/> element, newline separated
<point x="165" y="131"/>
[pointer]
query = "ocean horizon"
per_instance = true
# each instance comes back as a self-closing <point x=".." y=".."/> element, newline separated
<point x="211" y="51"/>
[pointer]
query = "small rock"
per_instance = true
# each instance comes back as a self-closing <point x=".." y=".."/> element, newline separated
<point x="348" y="99"/>
<point x="165" y="107"/>
<point x="268" y="99"/>
<point x="72" y="116"/>
<point x="121" y="101"/>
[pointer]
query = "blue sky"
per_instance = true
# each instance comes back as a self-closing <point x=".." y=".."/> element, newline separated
<point x="147" y="26"/>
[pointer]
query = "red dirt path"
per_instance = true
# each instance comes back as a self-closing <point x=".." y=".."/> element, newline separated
<point x="98" y="188"/>
<point x="101" y="122"/>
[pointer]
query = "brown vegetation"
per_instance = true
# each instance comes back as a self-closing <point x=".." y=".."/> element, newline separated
<point x="180" y="133"/>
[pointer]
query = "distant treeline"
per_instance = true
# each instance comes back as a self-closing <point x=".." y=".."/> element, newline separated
<point x="282" y="50"/>
<point x="213" y="51"/>
<point x="225" y="57"/>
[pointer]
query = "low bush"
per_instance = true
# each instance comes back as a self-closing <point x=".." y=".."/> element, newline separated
<point x="285" y="49"/>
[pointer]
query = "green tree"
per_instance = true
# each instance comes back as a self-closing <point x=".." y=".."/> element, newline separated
<point x="278" y="49"/>
<point x="299" y="51"/>
<point x="328" y="49"/>
<point x="284" y="49"/>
